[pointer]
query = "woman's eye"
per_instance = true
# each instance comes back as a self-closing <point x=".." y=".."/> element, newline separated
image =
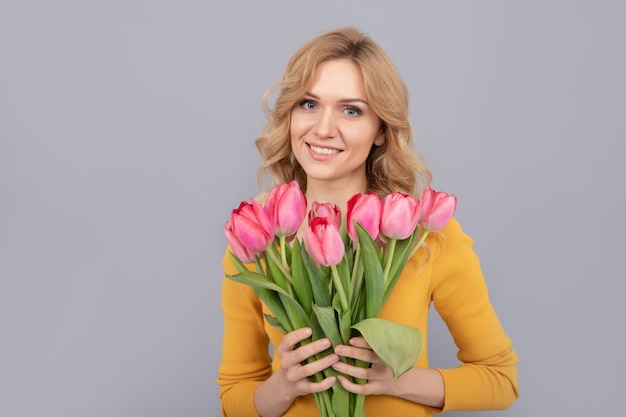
<point x="352" y="111"/>
<point x="308" y="105"/>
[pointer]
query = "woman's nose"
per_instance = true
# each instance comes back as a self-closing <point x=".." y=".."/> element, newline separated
<point x="325" y="126"/>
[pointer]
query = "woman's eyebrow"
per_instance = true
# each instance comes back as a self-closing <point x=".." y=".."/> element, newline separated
<point x="343" y="100"/>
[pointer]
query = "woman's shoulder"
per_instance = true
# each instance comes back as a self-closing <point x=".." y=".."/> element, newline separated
<point x="453" y="231"/>
<point x="451" y="245"/>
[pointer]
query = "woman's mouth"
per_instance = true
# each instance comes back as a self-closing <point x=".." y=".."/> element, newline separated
<point x="324" y="151"/>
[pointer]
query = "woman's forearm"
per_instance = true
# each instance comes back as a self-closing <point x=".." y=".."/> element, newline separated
<point x="272" y="398"/>
<point x="420" y="385"/>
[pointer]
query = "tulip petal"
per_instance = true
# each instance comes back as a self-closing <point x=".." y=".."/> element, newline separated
<point x="399" y="215"/>
<point x="286" y="207"/>
<point x="323" y="242"/>
<point x="364" y="209"/>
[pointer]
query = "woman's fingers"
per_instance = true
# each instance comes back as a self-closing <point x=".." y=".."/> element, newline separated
<point x="359" y="342"/>
<point x="297" y="355"/>
<point x="299" y="371"/>
<point x="291" y="339"/>
<point x="306" y="387"/>
<point x="358" y="349"/>
<point x="290" y="357"/>
<point x="378" y="376"/>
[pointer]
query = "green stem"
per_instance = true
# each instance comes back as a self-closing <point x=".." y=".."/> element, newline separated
<point x="329" y="405"/>
<point x="391" y="247"/>
<point x="259" y="268"/>
<point x="283" y="253"/>
<point x="419" y="243"/>
<point x="338" y="284"/>
<point x="271" y="252"/>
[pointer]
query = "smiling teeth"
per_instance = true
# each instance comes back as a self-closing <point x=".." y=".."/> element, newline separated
<point x="323" y="151"/>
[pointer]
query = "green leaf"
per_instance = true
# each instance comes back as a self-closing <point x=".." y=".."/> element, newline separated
<point x="356" y="284"/>
<point x="358" y="312"/>
<point x="296" y="313"/>
<point x="295" y="316"/>
<point x="349" y="254"/>
<point x="359" y="406"/>
<point x="322" y="399"/>
<point x="344" y="276"/>
<point x="318" y="279"/>
<point x="300" y="279"/>
<point x="318" y="333"/>
<point x="328" y="323"/>
<point x="273" y="302"/>
<point x="340" y="400"/>
<point x="401" y="256"/>
<point x="274" y="270"/>
<point x="254" y="279"/>
<point x="241" y="267"/>
<point x="397" y="345"/>
<point x="372" y="272"/>
<point x="345" y="326"/>
<point x="276" y="323"/>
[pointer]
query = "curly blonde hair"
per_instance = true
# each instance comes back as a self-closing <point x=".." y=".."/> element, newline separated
<point x="393" y="166"/>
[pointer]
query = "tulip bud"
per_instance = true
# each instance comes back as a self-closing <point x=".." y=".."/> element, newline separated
<point x="238" y="248"/>
<point x="437" y="210"/>
<point x="286" y="207"/>
<point x="328" y="210"/>
<point x="399" y="215"/>
<point x="426" y="200"/>
<point x="323" y="241"/>
<point x="364" y="209"/>
<point x="249" y="231"/>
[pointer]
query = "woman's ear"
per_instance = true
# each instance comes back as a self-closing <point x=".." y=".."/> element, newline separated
<point x="380" y="139"/>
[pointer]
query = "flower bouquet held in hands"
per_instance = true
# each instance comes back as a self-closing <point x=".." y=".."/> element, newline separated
<point x="338" y="279"/>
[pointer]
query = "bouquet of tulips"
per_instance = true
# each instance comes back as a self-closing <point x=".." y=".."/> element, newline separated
<point x="338" y="279"/>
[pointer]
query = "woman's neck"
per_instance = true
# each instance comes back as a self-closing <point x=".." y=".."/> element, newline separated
<point x="335" y="194"/>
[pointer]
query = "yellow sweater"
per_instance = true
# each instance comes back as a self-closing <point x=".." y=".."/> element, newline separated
<point x="450" y="277"/>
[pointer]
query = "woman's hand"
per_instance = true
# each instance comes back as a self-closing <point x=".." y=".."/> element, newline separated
<point x="378" y="376"/>
<point x="420" y="385"/>
<point x="292" y="359"/>
<point x="274" y="396"/>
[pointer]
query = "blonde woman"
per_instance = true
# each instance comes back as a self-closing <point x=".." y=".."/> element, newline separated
<point x="340" y="126"/>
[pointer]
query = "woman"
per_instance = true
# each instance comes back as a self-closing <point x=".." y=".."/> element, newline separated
<point x="340" y="126"/>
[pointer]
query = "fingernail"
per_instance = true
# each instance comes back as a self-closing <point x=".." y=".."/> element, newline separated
<point x="325" y="343"/>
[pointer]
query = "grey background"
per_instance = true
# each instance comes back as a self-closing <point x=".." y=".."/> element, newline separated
<point x="126" y="132"/>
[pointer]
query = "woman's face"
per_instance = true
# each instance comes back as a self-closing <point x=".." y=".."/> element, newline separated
<point x="333" y="127"/>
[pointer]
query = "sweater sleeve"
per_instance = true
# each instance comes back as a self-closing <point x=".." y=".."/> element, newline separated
<point x="245" y="357"/>
<point x="487" y="377"/>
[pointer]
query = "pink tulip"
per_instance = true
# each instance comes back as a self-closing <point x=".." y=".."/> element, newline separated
<point x="426" y="200"/>
<point x="240" y="251"/>
<point x="437" y="210"/>
<point x="249" y="231"/>
<point x="364" y="209"/>
<point x="328" y="210"/>
<point x="323" y="241"/>
<point x="399" y="215"/>
<point x="286" y="206"/>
